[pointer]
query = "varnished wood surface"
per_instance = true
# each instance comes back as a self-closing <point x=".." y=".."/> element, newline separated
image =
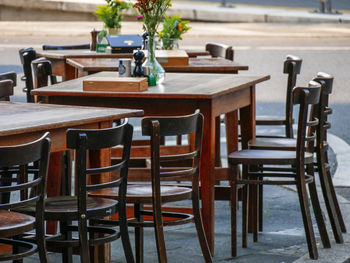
<point x="85" y="53"/>
<point x="176" y="85"/>
<point x="19" y="118"/>
<point x="196" y="65"/>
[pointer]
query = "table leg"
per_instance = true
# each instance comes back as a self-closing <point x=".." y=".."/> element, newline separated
<point x="247" y="123"/>
<point x="207" y="174"/>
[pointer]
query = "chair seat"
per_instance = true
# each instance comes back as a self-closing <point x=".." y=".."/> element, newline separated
<point x="66" y="207"/>
<point x="288" y="144"/>
<point x="13" y="223"/>
<point x="142" y="193"/>
<point x="258" y="157"/>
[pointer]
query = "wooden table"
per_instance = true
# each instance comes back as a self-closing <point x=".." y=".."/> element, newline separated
<point x="213" y="94"/>
<point x="61" y="68"/>
<point x="85" y="66"/>
<point x="23" y="122"/>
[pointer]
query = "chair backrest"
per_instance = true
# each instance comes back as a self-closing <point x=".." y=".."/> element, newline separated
<point x="65" y="47"/>
<point x="84" y="141"/>
<point x="32" y="190"/>
<point x="156" y="127"/>
<point x="7" y="81"/>
<point x="292" y="67"/>
<point x="42" y="70"/>
<point x="220" y="50"/>
<point x="306" y="97"/>
<point x="6" y="89"/>
<point x="27" y="55"/>
<point x="321" y="111"/>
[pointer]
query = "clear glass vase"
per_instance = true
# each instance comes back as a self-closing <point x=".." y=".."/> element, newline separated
<point x="170" y="43"/>
<point x="156" y="69"/>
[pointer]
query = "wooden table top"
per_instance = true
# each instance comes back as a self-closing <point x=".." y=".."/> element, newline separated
<point x="17" y="118"/>
<point x="200" y="64"/>
<point x="85" y="53"/>
<point x="175" y="85"/>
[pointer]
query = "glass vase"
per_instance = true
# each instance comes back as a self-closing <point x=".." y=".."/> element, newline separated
<point x="155" y="68"/>
<point x="170" y="43"/>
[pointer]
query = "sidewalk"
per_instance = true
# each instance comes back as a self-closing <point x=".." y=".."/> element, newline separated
<point x="200" y="11"/>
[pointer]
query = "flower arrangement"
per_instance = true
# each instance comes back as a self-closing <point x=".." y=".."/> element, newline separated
<point x="111" y="14"/>
<point x="151" y="12"/>
<point x="173" y="29"/>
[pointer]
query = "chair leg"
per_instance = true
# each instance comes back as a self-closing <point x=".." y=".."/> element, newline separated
<point x="41" y="242"/>
<point x="84" y="243"/>
<point x="305" y="212"/>
<point x="67" y="252"/>
<point x="199" y="225"/>
<point x="317" y="209"/>
<point x="330" y="202"/>
<point x="334" y="196"/>
<point x="123" y="225"/>
<point x="245" y="194"/>
<point x="138" y="233"/>
<point x="254" y="210"/>
<point x="261" y="209"/>
<point x="234" y="202"/>
<point x="158" y="231"/>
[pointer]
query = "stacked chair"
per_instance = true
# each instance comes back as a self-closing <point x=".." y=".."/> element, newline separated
<point x="299" y="171"/>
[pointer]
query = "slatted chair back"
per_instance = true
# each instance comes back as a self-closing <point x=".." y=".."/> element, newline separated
<point x="6" y="89"/>
<point x="83" y="141"/>
<point x="42" y="70"/>
<point x="31" y="193"/>
<point x="306" y="97"/>
<point x="220" y="50"/>
<point x="156" y="127"/>
<point x="7" y="81"/>
<point x="65" y="47"/>
<point x="27" y="55"/>
<point x="292" y="67"/>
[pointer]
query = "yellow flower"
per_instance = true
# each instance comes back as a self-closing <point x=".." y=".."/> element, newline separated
<point x="160" y="34"/>
<point x="119" y="1"/>
<point x="170" y="4"/>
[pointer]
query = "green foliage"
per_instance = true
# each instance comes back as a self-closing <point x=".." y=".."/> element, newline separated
<point x="111" y="14"/>
<point x="174" y="27"/>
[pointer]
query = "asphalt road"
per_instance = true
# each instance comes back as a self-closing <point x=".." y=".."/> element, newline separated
<point x="312" y="4"/>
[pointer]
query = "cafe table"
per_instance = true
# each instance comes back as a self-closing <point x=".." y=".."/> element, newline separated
<point x="61" y="68"/>
<point x="179" y="94"/>
<point x="86" y="66"/>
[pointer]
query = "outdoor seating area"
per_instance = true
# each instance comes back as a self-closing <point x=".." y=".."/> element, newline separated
<point x="128" y="150"/>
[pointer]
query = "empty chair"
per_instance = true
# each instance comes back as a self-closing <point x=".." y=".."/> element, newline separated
<point x="27" y="55"/>
<point x="301" y="159"/>
<point x="220" y="50"/>
<point x="65" y="47"/>
<point x="291" y="67"/>
<point x="7" y="82"/>
<point x="19" y="192"/>
<point x="80" y="208"/>
<point x="157" y="192"/>
<point x="321" y="112"/>
<point x="42" y="71"/>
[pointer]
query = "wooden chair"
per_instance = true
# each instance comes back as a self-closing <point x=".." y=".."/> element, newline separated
<point x="80" y="208"/>
<point x="302" y="174"/>
<point x="7" y="82"/>
<point x="291" y="67"/>
<point x="220" y="50"/>
<point x="65" y="47"/>
<point x="31" y="191"/>
<point x="321" y="112"/>
<point x="27" y="55"/>
<point x="157" y="192"/>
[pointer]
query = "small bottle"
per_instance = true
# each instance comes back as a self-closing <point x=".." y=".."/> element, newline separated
<point x="102" y="43"/>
